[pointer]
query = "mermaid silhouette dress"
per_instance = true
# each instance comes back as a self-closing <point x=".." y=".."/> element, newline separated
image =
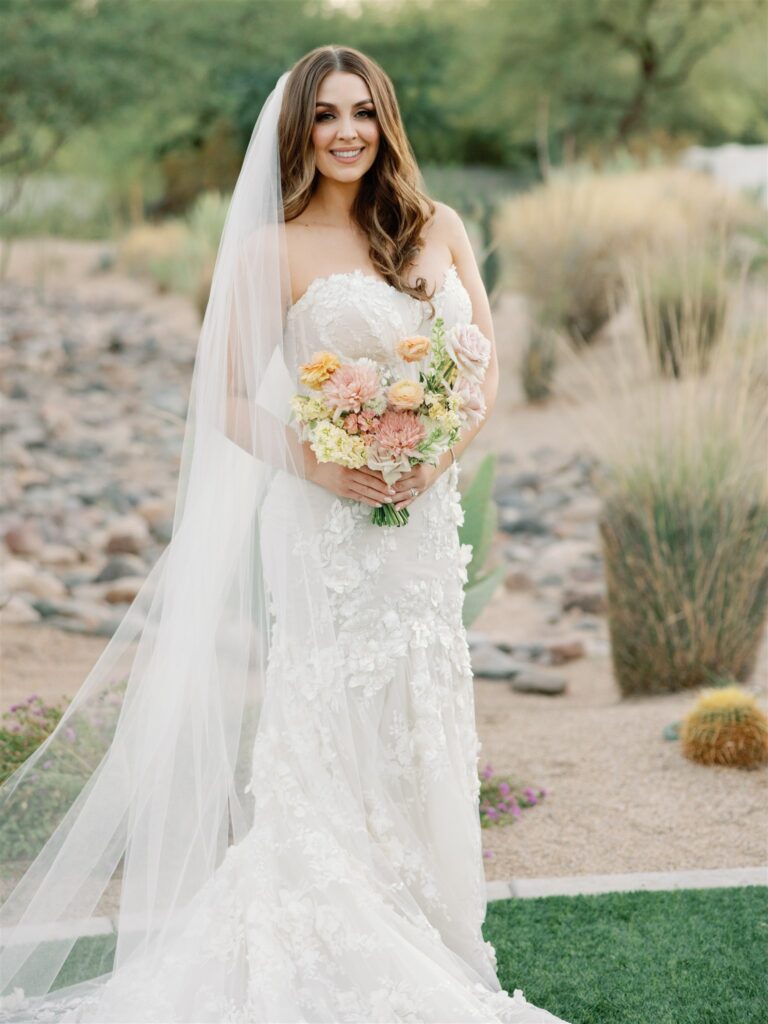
<point x="359" y="893"/>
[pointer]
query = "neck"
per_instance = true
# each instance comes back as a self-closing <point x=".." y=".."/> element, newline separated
<point x="333" y="200"/>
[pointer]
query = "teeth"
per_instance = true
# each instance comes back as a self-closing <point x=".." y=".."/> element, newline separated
<point x="346" y="152"/>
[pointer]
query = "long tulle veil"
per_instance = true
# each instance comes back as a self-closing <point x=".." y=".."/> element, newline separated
<point x="145" y="783"/>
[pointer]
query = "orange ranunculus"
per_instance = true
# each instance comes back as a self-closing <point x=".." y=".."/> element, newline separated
<point x="319" y="369"/>
<point x="413" y="349"/>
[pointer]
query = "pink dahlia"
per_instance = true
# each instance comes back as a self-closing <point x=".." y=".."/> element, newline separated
<point x="399" y="431"/>
<point x="351" y="386"/>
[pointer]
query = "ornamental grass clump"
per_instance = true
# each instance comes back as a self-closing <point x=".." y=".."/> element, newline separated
<point x="726" y="727"/>
<point x="562" y="243"/>
<point x="684" y="522"/>
<point x="538" y="365"/>
<point x="681" y="298"/>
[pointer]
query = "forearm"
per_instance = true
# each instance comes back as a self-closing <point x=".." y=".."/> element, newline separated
<point x="469" y="433"/>
<point x="267" y="439"/>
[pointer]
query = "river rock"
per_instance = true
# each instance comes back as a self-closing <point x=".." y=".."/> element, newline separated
<point x="489" y="662"/>
<point x="123" y="590"/>
<point x="25" y="539"/>
<point x="115" y="568"/>
<point x="20" y="576"/>
<point x="59" y="555"/>
<point x="517" y="580"/>
<point x="564" y="649"/>
<point x="590" y="599"/>
<point x="127" y="534"/>
<point x="16" y="612"/>
<point x="532" y="680"/>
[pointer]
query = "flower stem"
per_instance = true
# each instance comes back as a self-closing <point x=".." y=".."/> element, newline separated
<point x="388" y="515"/>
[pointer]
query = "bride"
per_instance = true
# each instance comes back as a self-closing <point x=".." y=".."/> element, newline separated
<point x="262" y="802"/>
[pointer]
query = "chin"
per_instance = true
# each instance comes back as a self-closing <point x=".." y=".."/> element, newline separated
<point x="334" y="170"/>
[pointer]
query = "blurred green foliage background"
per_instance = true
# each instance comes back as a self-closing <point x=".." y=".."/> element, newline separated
<point x="147" y="103"/>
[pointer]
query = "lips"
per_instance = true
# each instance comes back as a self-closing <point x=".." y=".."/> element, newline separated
<point x="347" y="159"/>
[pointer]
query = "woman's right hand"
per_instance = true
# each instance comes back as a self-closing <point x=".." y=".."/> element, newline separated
<point x="366" y="485"/>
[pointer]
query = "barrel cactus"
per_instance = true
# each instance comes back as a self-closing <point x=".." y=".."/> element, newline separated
<point x="726" y="727"/>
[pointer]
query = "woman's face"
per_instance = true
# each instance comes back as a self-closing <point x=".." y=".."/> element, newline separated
<point x="345" y="121"/>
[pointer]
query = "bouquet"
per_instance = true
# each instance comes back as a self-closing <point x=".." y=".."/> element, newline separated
<point x="361" y="413"/>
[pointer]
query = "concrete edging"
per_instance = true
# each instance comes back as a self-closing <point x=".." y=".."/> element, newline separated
<point x="580" y="885"/>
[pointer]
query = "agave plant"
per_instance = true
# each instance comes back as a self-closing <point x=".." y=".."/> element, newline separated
<point x="478" y="528"/>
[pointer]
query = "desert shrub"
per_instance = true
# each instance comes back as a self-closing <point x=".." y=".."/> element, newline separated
<point x="684" y="522"/>
<point x="179" y="255"/>
<point x="154" y="251"/>
<point x="726" y="727"/>
<point x="538" y="365"/>
<point x="687" y="578"/>
<point x="679" y="297"/>
<point x="563" y="243"/>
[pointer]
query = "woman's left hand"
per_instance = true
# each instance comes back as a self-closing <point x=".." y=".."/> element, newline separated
<point x="421" y="476"/>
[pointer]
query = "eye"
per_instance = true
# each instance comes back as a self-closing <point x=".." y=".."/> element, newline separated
<point x="367" y="113"/>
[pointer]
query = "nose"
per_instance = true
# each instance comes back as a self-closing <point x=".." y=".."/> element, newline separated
<point x="347" y="130"/>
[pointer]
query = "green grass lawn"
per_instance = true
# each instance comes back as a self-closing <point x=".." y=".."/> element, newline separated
<point x="691" y="956"/>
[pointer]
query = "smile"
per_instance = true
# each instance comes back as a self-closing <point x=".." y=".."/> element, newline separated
<point x="347" y="156"/>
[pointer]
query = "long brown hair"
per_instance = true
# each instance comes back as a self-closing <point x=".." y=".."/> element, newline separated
<point x="389" y="207"/>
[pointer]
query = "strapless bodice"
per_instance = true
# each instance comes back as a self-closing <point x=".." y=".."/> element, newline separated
<point x="355" y="314"/>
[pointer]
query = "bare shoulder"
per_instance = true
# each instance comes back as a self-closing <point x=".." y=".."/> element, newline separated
<point x="445" y="223"/>
<point x="452" y="231"/>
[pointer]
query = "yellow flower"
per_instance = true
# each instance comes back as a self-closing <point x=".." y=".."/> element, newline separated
<point x="318" y="369"/>
<point x="405" y="394"/>
<point x="436" y="409"/>
<point x="413" y="349"/>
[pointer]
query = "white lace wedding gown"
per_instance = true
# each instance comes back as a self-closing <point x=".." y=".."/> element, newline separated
<point x="322" y="914"/>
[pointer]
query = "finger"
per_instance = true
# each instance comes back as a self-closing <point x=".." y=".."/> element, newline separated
<point x="369" y="494"/>
<point x="372" y="482"/>
<point x="402" y="496"/>
<point x="412" y="480"/>
<point x="367" y="471"/>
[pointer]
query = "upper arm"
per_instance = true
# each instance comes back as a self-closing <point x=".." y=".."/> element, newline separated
<point x="464" y="258"/>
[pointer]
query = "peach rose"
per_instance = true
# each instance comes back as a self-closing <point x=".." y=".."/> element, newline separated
<point x="405" y="394"/>
<point x="319" y="369"/>
<point x="413" y="349"/>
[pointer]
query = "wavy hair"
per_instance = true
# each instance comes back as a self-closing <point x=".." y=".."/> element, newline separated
<point x="390" y="207"/>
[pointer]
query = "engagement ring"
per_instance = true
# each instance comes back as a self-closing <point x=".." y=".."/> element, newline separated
<point x="414" y="492"/>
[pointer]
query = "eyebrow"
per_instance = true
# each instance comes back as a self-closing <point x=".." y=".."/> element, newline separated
<point x="359" y="103"/>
